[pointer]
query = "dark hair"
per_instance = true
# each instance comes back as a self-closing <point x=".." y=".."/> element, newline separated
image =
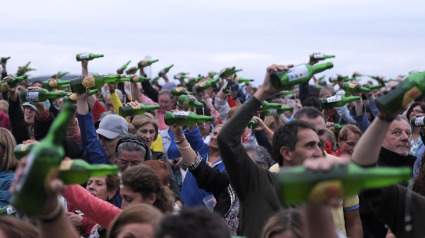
<point x="112" y="182"/>
<point x="193" y="222"/>
<point x="206" y="111"/>
<point x="312" y="102"/>
<point x="36" y="81"/>
<point x="161" y="169"/>
<point x="419" y="186"/>
<point x="421" y="104"/>
<point x="287" y="135"/>
<point x="310" y="112"/>
<point x="368" y="110"/>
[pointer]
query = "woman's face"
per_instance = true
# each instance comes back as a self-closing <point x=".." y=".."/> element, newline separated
<point x="148" y="133"/>
<point x="204" y="128"/>
<point x="97" y="187"/>
<point x="129" y="197"/>
<point x="213" y="140"/>
<point x="136" y="230"/>
<point x="416" y="112"/>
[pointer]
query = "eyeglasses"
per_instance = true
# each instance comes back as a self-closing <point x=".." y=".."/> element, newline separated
<point x="126" y="163"/>
<point x="417" y="112"/>
<point x="350" y="144"/>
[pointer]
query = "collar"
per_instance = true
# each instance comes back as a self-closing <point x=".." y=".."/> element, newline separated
<point x="392" y="159"/>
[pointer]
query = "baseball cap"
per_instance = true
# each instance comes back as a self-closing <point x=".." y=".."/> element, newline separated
<point x="46" y="104"/>
<point x="101" y="116"/>
<point x="112" y="126"/>
<point x="169" y="86"/>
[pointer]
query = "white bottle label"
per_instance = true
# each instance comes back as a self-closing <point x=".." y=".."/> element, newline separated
<point x="340" y="93"/>
<point x="419" y="121"/>
<point x="298" y="72"/>
<point x="318" y="56"/>
<point x="162" y="72"/>
<point x="84" y="55"/>
<point x="181" y="113"/>
<point x="334" y="99"/>
<point x="10" y="210"/>
<point x="272" y="112"/>
<point x="333" y="78"/>
<point x="32" y="96"/>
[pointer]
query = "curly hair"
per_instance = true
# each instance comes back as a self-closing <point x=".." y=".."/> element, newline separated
<point x="142" y="179"/>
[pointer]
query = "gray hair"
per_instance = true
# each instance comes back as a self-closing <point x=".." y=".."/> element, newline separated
<point x="128" y="145"/>
<point x="261" y="155"/>
<point x="166" y="92"/>
<point x="107" y="94"/>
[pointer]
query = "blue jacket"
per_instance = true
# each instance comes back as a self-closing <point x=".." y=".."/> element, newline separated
<point x="239" y="92"/>
<point x="6" y="178"/>
<point x="191" y="194"/>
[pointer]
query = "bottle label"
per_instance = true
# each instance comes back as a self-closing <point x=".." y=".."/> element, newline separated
<point x="32" y="96"/>
<point x="10" y="210"/>
<point x="4" y="87"/>
<point x="352" y="85"/>
<point x="411" y="95"/>
<point x="66" y="165"/>
<point x="202" y="84"/>
<point x="144" y="63"/>
<point x="298" y="72"/>
<point x="162" y="72"/>
<point x="334" y="99"/>
<point x="333" y="78"/>
<point x="84" y="55"/>
<point x="53" y="83"/>
<point x="272" y="111"/>
<point x="89" y="82"/>
<point x="136" y="78"/>
<point x="178" y="89"/>
<point x="73" y="96"/>
<point x="181" y="113"/>
<point x="317" y="56"/>
<point x="136" y="106"/>
<point x="419" y="121"/>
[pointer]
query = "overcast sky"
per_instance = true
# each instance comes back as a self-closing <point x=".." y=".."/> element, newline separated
<point x="382" y="37"/>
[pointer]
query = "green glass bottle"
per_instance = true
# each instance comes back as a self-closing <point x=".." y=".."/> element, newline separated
<point x="121" y="70"/>
<point x="242" y="80"/>
<point x="299" y="184"/>
<point x="181" y="76"/>
<point x="8" y="210"/>
<point x="22" y="150"/>
<point x="87" y="56"/>
<point x="321" y="78"/>
<point x="355" y="88"/>
<point x="23" y="70"/>
<point x="185" y="118"/>
<point x="11" y="82"/>
<point x="337" y="101"/>
<point x="145" y="63"/>
<point x="226" y="90"/>
<point x="80" y="84"/>
<point x="318" y="86"/>
<point x="137" y="79"/>
<point x="277" y="111"/>
<point x="229" y="72"/>
<point x="180" y="91"/>
<point x="284" y="93"/>
<point x="320" y="56"/>
<point x="336" y="128"/>
<point x="126" y="111"/>
<point x="40" y="95"/>
<point x="192" y="81"/>
<point x="252" y="124"/>
<point x="298" y="74"/>
<point x="55" y="83"/>
<point x="406" y="91"/>
<point x="206" y="85"/>
<point x="154" y="80"/>
<point x="165" y="70"/>
<point x="132" y="70"/>
<point x="417" y="122"/>
<point x="373" y="87"/>
<point x="73" y="96"/>
<point x="189" y="102"/>
<point x="4" y="59"/>
<point x="44" y="159"/>
<point x="212" y="74"/>
<point x="338" y="78"/>
<point x="59" y="75"/>
<point x="79" y="171"/>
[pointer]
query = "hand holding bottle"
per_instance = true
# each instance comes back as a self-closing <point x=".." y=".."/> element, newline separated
<point x="313" y="60"/>
<point x="267" y="89"/>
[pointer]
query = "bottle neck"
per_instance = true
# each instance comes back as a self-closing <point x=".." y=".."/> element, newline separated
<point x="58" y="129"/>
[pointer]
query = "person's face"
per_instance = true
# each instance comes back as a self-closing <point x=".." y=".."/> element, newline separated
<point x="210" y="92"/>
<point x="129" y="197"/>
<point x="286" y="234"/>
<point x="249" y="90"/>
<point x="204" y="128"/>
<point x="369" y="116"/>
<point x="348" y="146"/>
<point x="29" y="115"/>
<point x="398" y="137"/>
<point x="213" y="138"/>
<point x="37" y="84"/>
<point x="108" y="104"/>
<point x="287" y="114"/>
<point x="324" y="92"/>
<point x="148" y="133"/>
<point x="319" y="123"/>
<point x="136" y="230"/>
<point x="129" y="158"/>
<point x="308" y="146"/>
<point x="97" y="187"/>
<point x="108" y="144"/>
<point x="416" y="112"/>
<point x="165" y="103"/>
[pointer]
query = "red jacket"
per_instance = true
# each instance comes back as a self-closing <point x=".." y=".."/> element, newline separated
<point x="328" y="148"/>
<point x="4" y="121"/>
<point x="87" y="223"/>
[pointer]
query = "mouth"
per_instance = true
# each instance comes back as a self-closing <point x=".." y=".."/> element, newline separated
<point x="93" y="194"/>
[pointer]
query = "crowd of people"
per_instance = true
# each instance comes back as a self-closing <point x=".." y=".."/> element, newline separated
<point x="219" y="178"/>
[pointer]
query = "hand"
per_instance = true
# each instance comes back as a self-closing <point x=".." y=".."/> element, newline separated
<point x="267" y="89"/>
<point x="313" y="61"/>
<point x="75" y="219"/>
<point x="29" y="142"/>
<point x="328" y="124"/>
<point x="261" y="126"/>
<point x="177" y="130"/>
<point x="83" y="96"/>
<point x="94" y="228"/>
<point x="179" y="162"/>
<point x="132" y="104"/>
<point x="111" y="86"/>
<point x="328" y="112"/>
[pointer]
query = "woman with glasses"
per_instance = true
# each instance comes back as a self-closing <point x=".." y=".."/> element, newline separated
<point x="417" y="109"/>
<point x="347" y="139"/>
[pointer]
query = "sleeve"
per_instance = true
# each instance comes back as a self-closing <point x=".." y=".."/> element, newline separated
<point x="87" y="225"/>
<point x="242" y="171"/>
<point x="173" y="183"/>
<point x="5" y="121"/>
<point x="344" y="113"/>
<point x="373" y="108"/>
<point x="351" y="203"/>
<point x="16" y="117"/>
<point x="196" y="141"/>
<point x="122" y="88"/>
<point x="94" y="149"/>
<point x="116" y="103"/>
<point x="304" y="91"/>
<point x="42" y="125"/>
<point x="100" y="211"/>
<point x="216" y="115"/>
<point x="53" y="110"/>
<point x="150" y="91"/>
<point x="148" y="101"/>
<point x="362" y="121"/>
<point x="231" y="102"/>
<point x="239" y="92"/>
<point x="97" y="110"/>
<point x="222" y="108"/>
<point x="157" y="144"/>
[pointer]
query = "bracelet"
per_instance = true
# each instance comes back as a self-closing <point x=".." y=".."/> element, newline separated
<point x="185" y="148"/>
<point x="179" y="142"/>
<point x="54" y="215"/>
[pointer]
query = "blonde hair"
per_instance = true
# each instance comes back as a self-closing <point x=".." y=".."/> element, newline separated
<point x="4" y="106"/>
<point x="135" y="214"/>
<point x="131" y="129"/>
<point x="147" y="118"/>
<point x="286" y="220"/>
<point x="8" y="143"/>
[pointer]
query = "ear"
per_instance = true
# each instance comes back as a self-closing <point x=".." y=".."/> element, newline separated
<point x="286" y="153"/>
<point x="150" y="199"/>
<point x="111" y="194"/>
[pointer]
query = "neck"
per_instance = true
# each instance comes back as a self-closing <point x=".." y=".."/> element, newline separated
<point x="214" y="152"/>
<point x="112" y="158"/>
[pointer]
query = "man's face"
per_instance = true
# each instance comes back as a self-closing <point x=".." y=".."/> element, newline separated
<point x="307" y="147"/>
<point x="319" y="123"/>
<point x="108" y="145"/>
<point x="347" y="146"/>
<point x="29" y="115"/>
<point x="108" y="104"/>
<point x="398" y="137"/>
<point x="165" y="103"/>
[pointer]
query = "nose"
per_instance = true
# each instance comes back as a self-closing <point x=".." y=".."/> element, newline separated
<point x="404" y="136"/>
<point x="90" y="187"/>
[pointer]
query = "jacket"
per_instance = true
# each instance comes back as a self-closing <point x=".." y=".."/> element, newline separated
<point x="87" y="223"/>
<point x="6" y="179"/>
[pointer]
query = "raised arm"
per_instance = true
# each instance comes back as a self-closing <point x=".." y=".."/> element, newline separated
<point x="147" y="87"/>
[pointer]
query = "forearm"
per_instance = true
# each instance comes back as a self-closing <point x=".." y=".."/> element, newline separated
<point x="41" y="109"/>
<point x="91" y="100"/>
<point x="61" y="227"/>
<point x="318" y="222"/>
<point x="188" y="154"/>
<point x="353" y="224"/>
<point x="359" y="108"/>
<point x="269" y="134"/>
<point x="85" y="71"/>
<point x="136" y="92"/>
<point x="82" y="107"/>
<point x="165" y="77"/>
<point x="345" y="114"/>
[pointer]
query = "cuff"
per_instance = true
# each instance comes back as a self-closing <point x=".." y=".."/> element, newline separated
<point x="195" y="164"/>
<point x="351" y="208"/>
<point x="44" y="117"/>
